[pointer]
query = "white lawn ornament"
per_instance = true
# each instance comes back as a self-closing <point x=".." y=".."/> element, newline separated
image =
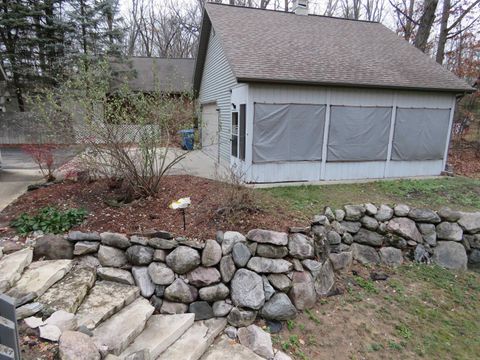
<point x="181" y="204"/>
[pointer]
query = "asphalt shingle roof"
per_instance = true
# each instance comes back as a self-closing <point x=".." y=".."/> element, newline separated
<point x="274" y="46"/>
<point x="150" y="74"/>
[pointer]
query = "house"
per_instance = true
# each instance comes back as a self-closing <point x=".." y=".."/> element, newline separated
<point x="299" y="97"/>
<point x="150" y="74"/>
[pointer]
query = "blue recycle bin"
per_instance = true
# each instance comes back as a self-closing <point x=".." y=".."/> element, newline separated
<point x="188" y="137"/>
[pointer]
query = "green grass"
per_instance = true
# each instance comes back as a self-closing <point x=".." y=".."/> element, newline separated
<point x="456" y="192"/>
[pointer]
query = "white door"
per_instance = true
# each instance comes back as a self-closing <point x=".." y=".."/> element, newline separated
<point x="210" y="130"/>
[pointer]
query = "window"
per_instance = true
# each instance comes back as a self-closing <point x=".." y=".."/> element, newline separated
<point x="235" y="134"/>
<point x="288" y="132"/>
<point x="358" y="133"/>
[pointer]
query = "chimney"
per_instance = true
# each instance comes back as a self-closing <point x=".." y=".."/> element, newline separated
<point x="300" y="7"/>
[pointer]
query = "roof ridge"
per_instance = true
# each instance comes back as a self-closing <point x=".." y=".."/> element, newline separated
<point x="290" y="12"/>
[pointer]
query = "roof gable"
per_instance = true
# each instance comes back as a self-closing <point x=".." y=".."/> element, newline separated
<point x="273" y="46"/>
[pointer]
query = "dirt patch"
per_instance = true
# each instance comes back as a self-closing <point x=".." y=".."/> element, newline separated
<point x="465" y="161"/>
<point x="202" y="218"/>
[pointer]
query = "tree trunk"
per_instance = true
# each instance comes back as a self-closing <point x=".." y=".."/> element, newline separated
<point x="425" y="24"/>
<point x="442" y="37"/>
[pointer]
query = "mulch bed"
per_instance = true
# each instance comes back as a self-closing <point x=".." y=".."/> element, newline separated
<point x="465" y="161"/>
<point x="202" y="217"/>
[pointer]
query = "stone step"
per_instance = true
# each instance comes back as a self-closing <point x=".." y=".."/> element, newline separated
<point x="195" y="341"/>
<point x="105" y="299"/>
<point x="38" y="278"/>
<point x="12" y="266"/>
<point x="68" y="293"/>
<point x="229" y="349"/>
<point x="116" y="334"/>
<point x="160" y="332"/>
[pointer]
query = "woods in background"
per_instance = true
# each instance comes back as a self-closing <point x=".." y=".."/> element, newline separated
<point x="41" y="40"/>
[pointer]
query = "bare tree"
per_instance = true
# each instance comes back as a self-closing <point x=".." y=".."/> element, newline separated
<point x="351" y="9"/>
<point x="374" y="10"/>
<point x="425" y="24"/>
<point x="404" y="15"/>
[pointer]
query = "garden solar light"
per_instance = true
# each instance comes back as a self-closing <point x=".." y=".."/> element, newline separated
<point x="181" y="204"/>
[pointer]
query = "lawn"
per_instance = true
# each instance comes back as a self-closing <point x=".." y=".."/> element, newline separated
<point x="421" y="311"/>
<point x="456" y="192"/>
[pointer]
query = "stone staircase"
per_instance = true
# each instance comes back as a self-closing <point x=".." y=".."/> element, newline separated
<point x="118" y="321"/>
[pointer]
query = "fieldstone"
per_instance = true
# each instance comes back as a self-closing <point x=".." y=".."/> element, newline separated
<point x="85" y="247"/>
<point x="252" y="246"/>
<point x="50" y="332"/>
<point x="313" y="266"/>
<point x="279" y="307"/>
<point x="365" y="254"/>
<point x="52" y="247"/>
<point x="405" y="228"/>
<point x="450" y="255"/>
<point x="325" y="279"/>
<point x="329" y="214"/>
<point x="196" y="244"/>
<point x="28" y="310"/>
<point x="321" y="231"/>
<point x="219" y="237"/>
<point x="201" y="309"/>
<point x="159" y="255"/>
<point x="83" y="236"/>
<point x="160" y="274"/>
<point x="382" y="228"/>
<point x="12" y="267"/>
<point x="247" y="289"/>
<point x="63" y="320"/>
<point x="143" y="281"/>
<point x="368" y="237"/>
<point x="280" y="282"/>
<point x="87" y="261"/>
<point x="214" y="292"/>
<point x="449" y="231"/>
<point x="139" y="255"/>
<point x="160" y="290"/>
<point x="114" y="239"/>
<point x="154" y="233"/>
<point x="297" y="265"/>
<point x="111" y="257"/>
<point x="75" y="345"/>
<point x="34" y="322"/>
<point x="401" y="210"/>
<point x="320" y="220"/>
<point x="183" y="259"/>
<point x="351" y="226"/>
<point x="474" y="257"/>
<point x="391" y="256"/>
<point x="265" y="265"/>
<point x="162" y="244"/>
<point x="231" y="332"/>
<point x="212" y="253"/>
<point x="396" y="241"/>
<point x="241" y="317"/>
<point x="139" y="240"/>
<point x="421" y="254"/>
<point x="428" y="233"/>
<point x="172" y="308"/>
<point x="230" y="238"/>
<point x="341" y="261"/>
<point x="302" y="294"/>
<point x="369" y="222"/>
<point x="267" y="288"/>
<point x="268" y="237"/>
<point x="384" y="213"/>
<point x="271" y="251"/>
<point x="240" y="254"/>
<point x="279" y="355"/>
<point x="334" y="238"/>
<point x="221" y="308"/>
<point x="301" y="246"/>
<point x="448" y="214"/>
<point x="339" y="215"/>
<point x="156" y="302"/>
<point x="256" y="340"/>
<point x="227" y="268"/>
<point x="424" y="215"/>
<point x="347" y="238"/>
<point x="370" y="209"/>
<point x="203" y="276"/>
<point x="470" y="222"/>
<point x="117" y="275"/>
<point x="354" y="212"/>
<point x="179" y="291"/>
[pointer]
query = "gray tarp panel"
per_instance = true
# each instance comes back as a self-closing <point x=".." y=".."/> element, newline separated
<point x="358" y="133"/>
<point x="288" y="132"/>
<point x="420" y="134"/>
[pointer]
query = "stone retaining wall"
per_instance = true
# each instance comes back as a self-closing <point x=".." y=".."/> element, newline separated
<point x="267" y="273"/>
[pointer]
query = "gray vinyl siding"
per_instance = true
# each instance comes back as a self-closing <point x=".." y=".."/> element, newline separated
<point x="217" y="81"/>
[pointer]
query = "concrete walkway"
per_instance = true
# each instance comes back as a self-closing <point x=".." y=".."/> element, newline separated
<point x="13" y="183"/>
